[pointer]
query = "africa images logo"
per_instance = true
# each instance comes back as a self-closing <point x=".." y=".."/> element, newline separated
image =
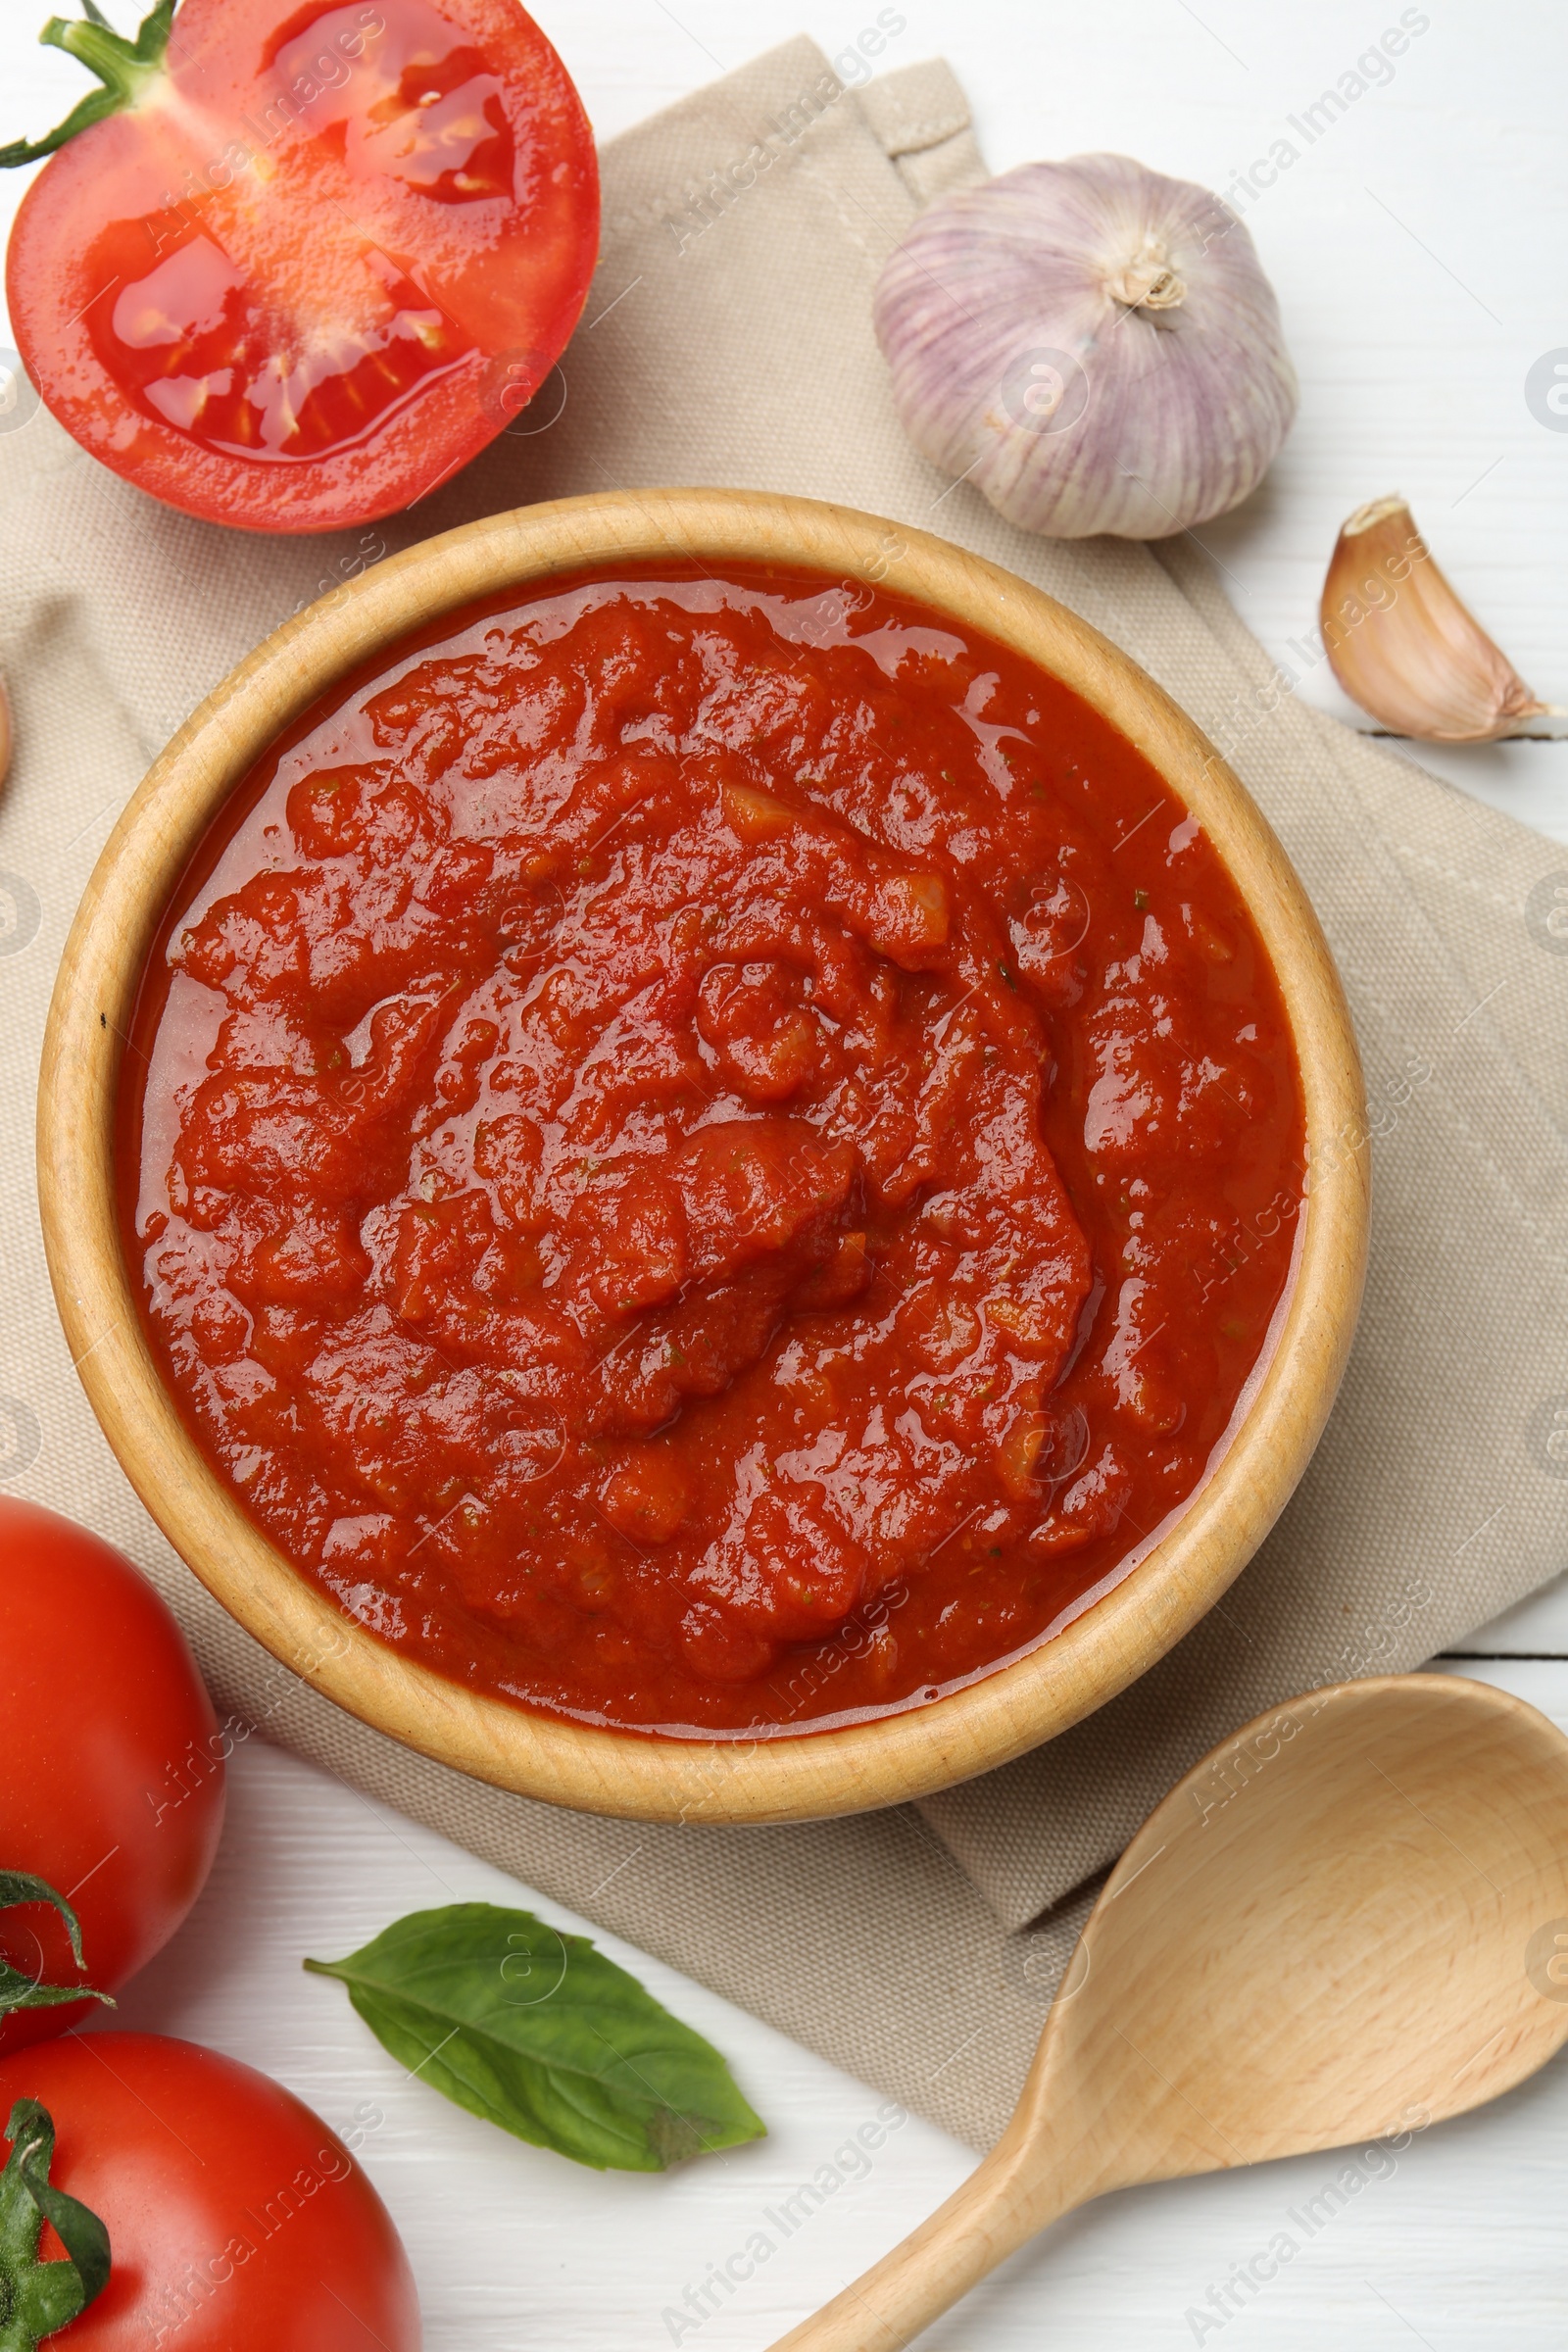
<point x="1547" y="390"/>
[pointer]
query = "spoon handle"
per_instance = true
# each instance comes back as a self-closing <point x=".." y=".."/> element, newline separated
<point x="1004" y="2202"/>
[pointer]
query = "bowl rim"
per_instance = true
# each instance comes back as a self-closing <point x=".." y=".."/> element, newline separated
<point x="799" y="1776"/>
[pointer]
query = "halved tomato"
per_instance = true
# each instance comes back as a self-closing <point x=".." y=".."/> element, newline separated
<point x="290" y="268"/>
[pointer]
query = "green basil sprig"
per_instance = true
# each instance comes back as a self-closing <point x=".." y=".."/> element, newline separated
<point x="539" y="2033"/>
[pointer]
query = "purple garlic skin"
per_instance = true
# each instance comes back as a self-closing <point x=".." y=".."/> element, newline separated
<point x="1094" y="346"/>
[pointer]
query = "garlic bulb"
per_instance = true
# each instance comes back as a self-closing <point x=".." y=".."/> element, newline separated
<point x="1094" y="346"/>
<point x="1402" y="645"/>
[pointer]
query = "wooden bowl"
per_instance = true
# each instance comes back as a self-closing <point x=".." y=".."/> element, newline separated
<point x="798" y="1776"/>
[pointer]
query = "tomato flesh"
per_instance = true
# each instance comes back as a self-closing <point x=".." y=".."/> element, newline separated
<point x="190" y="345"/>
<point x="336" y="256"/>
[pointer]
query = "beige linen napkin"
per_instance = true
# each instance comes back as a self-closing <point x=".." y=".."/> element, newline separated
<point x="727" y="340"/>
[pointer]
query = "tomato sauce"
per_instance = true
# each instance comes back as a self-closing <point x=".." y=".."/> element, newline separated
<point x="710" y="1154"/>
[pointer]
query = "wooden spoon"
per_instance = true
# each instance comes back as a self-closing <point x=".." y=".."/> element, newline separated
<point x="1348" y="1922"/>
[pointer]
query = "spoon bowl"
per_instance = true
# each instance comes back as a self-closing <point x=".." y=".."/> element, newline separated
<point x="1348" y="1922"/>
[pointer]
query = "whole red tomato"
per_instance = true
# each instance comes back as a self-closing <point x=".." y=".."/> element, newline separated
<point x="112" y="1790"/>
<point x="293" y="265"/>
<point x="238" y="2222"/>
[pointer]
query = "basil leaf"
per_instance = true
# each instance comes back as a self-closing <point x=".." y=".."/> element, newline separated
<point x="540" y="2033"/>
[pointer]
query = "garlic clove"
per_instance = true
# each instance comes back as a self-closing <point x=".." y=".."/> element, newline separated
<point x="1405" y="647"/>
<point x="5" y="732"/>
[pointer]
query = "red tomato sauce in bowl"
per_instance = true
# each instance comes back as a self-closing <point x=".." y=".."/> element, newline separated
<point x="709" y="1155"/>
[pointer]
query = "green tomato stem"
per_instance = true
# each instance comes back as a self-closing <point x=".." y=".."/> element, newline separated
<point x="127" y="68"/>
<point x="37" y="2299"/>
<point x="17" y="1991"/>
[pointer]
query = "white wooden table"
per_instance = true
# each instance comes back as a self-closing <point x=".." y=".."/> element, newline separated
<point x="1417" y="246"/>
<point x="519" y="2251"/>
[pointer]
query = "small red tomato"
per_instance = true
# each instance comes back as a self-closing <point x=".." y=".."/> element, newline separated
<point x="293" y="265"/>
<point x="238" y="2222"/>
<point x="113" y="1785"/>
